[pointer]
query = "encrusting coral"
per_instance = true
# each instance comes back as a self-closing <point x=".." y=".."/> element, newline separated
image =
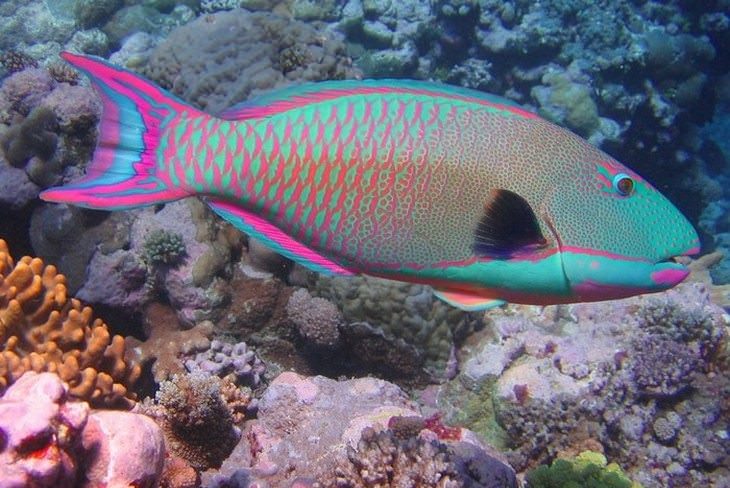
<point x="42" y="329"/>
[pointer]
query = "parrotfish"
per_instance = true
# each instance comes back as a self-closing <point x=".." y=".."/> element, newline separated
<point x="407" y="180"/>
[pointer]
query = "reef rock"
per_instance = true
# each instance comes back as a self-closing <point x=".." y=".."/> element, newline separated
<point x="51" y="440"/>
<point x="41" y="433"/>
<point x="129" y="450"/>
<point x="315" y="428"/>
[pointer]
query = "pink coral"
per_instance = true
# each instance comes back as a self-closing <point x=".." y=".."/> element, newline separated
<point x="41" y="432"/>
<point x="49" y="440"/>
<point x="129" y="450"/>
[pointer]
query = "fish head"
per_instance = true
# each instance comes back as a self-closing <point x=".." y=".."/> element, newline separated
<point x="616" y="234"/>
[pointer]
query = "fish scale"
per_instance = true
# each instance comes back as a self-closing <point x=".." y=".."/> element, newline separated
<point x="408" y="180"/>
<point x="380" y="203"/>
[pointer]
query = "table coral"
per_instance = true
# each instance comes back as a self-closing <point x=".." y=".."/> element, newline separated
<point x="43" y="329"/>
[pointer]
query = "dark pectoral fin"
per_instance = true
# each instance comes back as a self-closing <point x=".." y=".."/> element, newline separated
<point x="508" y="226"/>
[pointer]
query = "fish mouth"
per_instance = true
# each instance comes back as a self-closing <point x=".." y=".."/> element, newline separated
<point x="671" y="271"/>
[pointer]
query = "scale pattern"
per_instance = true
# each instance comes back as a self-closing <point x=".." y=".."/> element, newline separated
<point x="365" y="180"/>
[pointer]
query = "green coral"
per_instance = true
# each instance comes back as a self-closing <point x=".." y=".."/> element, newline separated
<point x="474" y="410"/>
<point x="581" y="112"/>
<point x="588" y="470"/>
<point x="163" y="247"/>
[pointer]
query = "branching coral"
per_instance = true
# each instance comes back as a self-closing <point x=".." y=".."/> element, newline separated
<point x="382" y="459"/>
<point x="163" y="247"/>
<point x="400" y="456"/>
<point x="42" y="329"/>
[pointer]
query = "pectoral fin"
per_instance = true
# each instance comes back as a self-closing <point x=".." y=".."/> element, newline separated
<point x="507" y="228"/>
<point x="468" y="302"/>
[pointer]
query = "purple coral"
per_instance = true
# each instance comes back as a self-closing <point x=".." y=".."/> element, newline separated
<point x="224" y="358"/>
<point x="662" y="368"/>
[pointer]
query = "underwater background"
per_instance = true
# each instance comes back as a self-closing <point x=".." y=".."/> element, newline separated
<point x="194" y="356"/>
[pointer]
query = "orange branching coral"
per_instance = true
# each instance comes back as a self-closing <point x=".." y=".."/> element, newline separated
<point x="42" y="329"/>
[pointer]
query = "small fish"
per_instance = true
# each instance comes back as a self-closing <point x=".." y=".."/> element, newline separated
<point x="406" y="180"/>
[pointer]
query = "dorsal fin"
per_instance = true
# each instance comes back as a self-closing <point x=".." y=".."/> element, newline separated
<point x="300" y="95"/>
<point x="508" y="227"/>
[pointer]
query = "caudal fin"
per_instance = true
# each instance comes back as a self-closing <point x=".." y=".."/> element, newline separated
<point x="125" y="171"/>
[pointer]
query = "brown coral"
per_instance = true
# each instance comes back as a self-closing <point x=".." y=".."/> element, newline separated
<point x="167" y="342"/>
<point x="42" y="329"/>
<point x="382" y="459"/>
<point x="197" y="417"/>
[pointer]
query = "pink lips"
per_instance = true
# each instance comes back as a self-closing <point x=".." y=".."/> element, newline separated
<point x="669" y="277"/>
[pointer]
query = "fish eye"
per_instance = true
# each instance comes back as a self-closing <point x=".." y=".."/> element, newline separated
<point x="623" y="184"/>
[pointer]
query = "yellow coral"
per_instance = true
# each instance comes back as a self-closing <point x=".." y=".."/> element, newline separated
<point x="41" y="329"/>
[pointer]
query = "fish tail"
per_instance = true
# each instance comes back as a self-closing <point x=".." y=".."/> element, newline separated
<point x="126" y="171"/>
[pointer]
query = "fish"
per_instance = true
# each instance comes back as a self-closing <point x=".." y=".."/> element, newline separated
<point x="406" y="180"/>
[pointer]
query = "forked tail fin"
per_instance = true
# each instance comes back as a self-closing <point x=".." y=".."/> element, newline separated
<point x="126" y="171"/>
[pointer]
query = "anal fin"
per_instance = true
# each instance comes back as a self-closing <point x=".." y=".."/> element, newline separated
<point x="275" y="238"/>
<point x="468" y="302"/>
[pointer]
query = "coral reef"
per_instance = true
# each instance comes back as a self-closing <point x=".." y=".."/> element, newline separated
<point x="42" y="329"/>
<point x="396" y="458"/>
<point x="392" y="315"/>
<point x="223" y="359"/>
<point x="51" y="441"/>
<point x="33" y="28"/>
<point x="311" y="427"/>
<point x="620" y="378"/>
<point x="46" y="127"/>
<point x="127" y="270"/>
<point x="588" y="469"/>
<point x="644" y="381"/>
<point x="167" y="342"/>
<point x="92" y="13"/>
<point x="637" y="78"/>
<point x="197" y="421"/>
<point x="218" y="60"/>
